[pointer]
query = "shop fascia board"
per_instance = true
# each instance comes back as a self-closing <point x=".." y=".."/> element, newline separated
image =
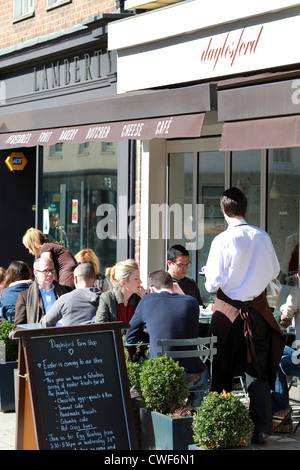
<point x="191" y="16"/>
<point x="259" y="101"/>
<point x="122" y="107"/>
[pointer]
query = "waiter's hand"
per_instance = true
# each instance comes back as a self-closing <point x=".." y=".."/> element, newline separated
<point x="177" y="289"/>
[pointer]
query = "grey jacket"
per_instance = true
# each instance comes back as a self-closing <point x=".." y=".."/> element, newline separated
<point x="74" y="308"/>
<point x="109" y="303"/>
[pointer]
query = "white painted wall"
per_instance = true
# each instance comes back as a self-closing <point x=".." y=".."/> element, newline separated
<point x="153" y="191"/>
<point x="187" y="17"/>
<point x="186" y="43"/>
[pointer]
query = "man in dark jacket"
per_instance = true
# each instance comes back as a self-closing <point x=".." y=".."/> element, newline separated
<point x="78" y="306"/>
<point x="33" y="303"/>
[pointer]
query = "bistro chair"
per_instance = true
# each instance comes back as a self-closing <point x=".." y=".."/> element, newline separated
<point x="205" y="348"/>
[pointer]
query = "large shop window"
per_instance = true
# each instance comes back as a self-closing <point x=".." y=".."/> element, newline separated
<point x="181" y="197"/>
<point x="283" y="215"/>
<point x="246" y="175"/>
<point x="211" y="174"/>
<point x="271" y="182"/>
<point x="194" y="199"/>
<point x="80" y="198"/>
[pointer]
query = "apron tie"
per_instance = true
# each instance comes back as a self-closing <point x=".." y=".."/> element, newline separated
<point x="248" y="319"/>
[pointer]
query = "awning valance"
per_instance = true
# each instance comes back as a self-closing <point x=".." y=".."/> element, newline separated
<point x="182" y="126"/>
<point x="278" y="132"/>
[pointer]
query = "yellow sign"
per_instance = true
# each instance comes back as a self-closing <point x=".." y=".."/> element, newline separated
<point x="16" y="161"/>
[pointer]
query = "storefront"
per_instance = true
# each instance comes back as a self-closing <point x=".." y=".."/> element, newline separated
<point x="45" y="86"/>
<point x="132" y="163"/>
<point x="61" y="111"/>
<point x="251" y="141"/>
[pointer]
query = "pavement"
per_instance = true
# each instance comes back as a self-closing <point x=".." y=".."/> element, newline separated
<point x="277" y="441"/>
<point x="7" y="430"/>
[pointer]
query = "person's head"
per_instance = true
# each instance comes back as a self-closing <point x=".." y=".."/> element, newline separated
<point x="88" y="256"/>
<point x="178" y="261"/>
<point x="160" y="280"/>
<point x="2" y="274"/>
<point x="84" y="275"/>
<point x="233" y="203"/>
<point x="54" y="220"/>
<point x="44" y="272"/>
<point x="33" y="240"/>
<point x="125" y="276"/>
<point x="17" y="271"/>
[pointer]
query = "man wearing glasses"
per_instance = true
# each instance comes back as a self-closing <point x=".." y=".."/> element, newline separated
<point x="178" y="264"/>
<point x="33" y="304"/>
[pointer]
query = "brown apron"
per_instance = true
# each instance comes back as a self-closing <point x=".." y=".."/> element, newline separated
<point x="227" y="310"/>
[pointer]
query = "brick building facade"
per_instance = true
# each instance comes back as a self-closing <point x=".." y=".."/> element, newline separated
<point x="41" y="18"/>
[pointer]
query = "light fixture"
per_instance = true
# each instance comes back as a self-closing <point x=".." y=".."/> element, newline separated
<point x="274" y="191"/>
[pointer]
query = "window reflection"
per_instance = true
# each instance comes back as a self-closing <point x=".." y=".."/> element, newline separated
<point x="283" y="215"/>
<point x="211" y="176"/>
<point x="77" y="180"/>
<point x="181" y="197"/>
<point x="273" y="193"/>
<point x="246" y="176"/>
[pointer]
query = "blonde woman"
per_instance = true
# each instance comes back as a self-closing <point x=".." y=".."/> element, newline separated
<point x="87" y="255"/>
<point x="64" y="262"/>
<point x="119" y="304"/>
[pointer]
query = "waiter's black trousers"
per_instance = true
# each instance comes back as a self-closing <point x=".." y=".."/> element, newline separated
<point x="231" y="361"/>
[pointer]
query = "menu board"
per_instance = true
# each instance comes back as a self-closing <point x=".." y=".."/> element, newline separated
<point x="78" y="392"/>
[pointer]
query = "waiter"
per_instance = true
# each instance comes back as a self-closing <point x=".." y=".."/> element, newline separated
<point x="240" y="265"/>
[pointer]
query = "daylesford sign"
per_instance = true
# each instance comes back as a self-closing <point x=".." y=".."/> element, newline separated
<point x="197" y="57"/>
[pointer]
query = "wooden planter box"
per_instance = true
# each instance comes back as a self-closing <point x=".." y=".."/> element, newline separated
<point x="7" y="385"/>
<point x="163" y="432"/>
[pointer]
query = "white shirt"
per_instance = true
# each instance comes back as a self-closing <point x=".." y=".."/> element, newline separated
<point x="48" y="298"/>
<point x="242" y="261"/>
<point x="291" y="310"/>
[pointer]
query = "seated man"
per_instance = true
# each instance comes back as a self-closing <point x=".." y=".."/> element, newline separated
<point x="289" y="364"/>
<point x="34" y="303"/>
<point x="78" y="306"/>
<point x="178" y="265"/>
<point x="169" y="315"/>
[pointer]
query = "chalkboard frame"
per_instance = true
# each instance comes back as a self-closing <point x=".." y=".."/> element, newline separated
<point x="26" y="366"/>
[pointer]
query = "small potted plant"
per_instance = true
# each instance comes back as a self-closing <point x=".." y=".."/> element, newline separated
<point x="8" y="363"/>
<point x="166" y="423"/>
<point x="221" y="422"/>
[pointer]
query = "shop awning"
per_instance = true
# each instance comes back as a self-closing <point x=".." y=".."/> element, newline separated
<point x="182" y="126"/>
<point x="277" y="132"/>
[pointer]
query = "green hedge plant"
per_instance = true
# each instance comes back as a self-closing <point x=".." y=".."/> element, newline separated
<point x="8" y="346"/>
<point x="161" y="384"/>
<point x="222" y="422"/>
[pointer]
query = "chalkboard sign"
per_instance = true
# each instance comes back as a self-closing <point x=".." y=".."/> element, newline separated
<point x="78" y="393"/>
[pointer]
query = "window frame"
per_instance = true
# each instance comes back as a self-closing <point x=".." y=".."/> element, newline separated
<point x="22" y="9"/>
<point x="51" y="4"/>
